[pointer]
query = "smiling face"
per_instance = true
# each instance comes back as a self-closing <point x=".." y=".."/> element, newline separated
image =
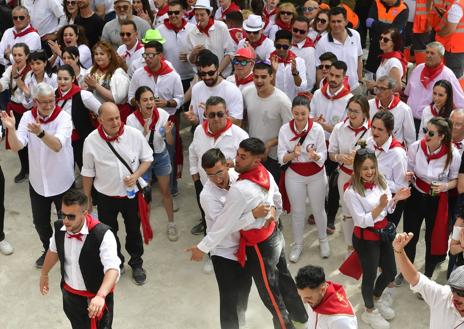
<point x="146" y="103"/>
<point x="175" y="13"/>
<point x="20" y="19"/>
<point x="69" y="37"/>
<point x="69" y="58"/>
<point x="19" y="56"/>
<point x="101" y="58"/>
<point x="355" y="115"/>
<point x="379" y="132"/>
<point x="439" y="96"/>
<point x="282" y="46"/>
<point x="219" y="175"/>
<point x="45" y="104"/>
<point x="128" y="35"/>
<point x="217" y="117"/>
<point x="202" y="17"/>
<point x="262" y="79"/>
<point x="322" y="22"/>
<point x="38" y="66"/>
<point x="432" y="138"/>
<point x="71" y="6"/>
<point x="386" y="42"/>
<point x="209" y="75"/>
<point x="122" y="10"/>
<point x="368" y="171"/>
<point x="65" y="80"/>
<point x="300" y="114"/>
<point x="299" y="31"/>
<point x="286" y="14"/>
<point x="310" y="9"/>
<point x="241" y="70"/>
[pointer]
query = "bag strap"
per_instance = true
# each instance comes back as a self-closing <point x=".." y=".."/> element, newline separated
<point x="150" y="139"/>
<point x="301" y="141"/>
<point x="120" y="158"/>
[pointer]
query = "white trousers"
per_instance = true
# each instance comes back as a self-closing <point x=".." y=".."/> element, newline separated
<point x="298" y="188"/>
<point x="348" y="224"/>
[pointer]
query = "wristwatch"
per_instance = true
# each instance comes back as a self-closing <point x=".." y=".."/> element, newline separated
<point x="295" y="74"/>
<point x="42" y="134"/>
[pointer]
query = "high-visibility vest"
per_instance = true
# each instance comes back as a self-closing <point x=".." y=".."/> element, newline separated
<point x="420" y="17"/>
<point x="388" y="16"/>
<point x="433" y="18"/>
<point x="453" y="43"/>
<point x="351" y="16"/>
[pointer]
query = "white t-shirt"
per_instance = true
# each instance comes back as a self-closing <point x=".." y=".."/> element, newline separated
<point x="455" y="14"/>
<point x="386" y="66"/>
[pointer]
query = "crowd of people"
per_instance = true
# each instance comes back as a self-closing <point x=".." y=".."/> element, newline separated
<point x="351" y="107"/>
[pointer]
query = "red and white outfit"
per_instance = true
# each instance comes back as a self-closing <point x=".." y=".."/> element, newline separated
<point x="404" y="130"/>
<point x="237" y="34"/>
<point x="241" y="83"/>
<point x="221" y="12"/>
<point x="394" y="59"/>
<point x="263" y="47"/>
<point x="10" y="37"/>
<point x="284" y="78"/>
<point x="160" y="15"/>
<point x="130" y="55"/>
<point x="305" y="50"/>
<point x="277" y="26"/>
<point x="305" y="178"/>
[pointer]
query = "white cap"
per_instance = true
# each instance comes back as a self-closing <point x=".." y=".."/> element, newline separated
<point x="253" y="23"/>
<point x="203" y="4"/>
<point x="456" y="279"/>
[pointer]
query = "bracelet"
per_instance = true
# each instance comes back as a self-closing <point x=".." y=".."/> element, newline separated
<point x="398" y="252"/>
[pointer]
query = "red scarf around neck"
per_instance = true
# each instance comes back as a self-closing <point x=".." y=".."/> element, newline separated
<point x="443" y="151"/>
<point x="189" y="13"/>
<point x="162" y="11"/>
<point x="357" y="130"/>
<point x="334" y="302"/>
<point x="268" y="14"/>
<point x="217" y="133"/>
<point x="247" y="79"/>
<point x="429" y="74"/>
<point x="30" y="29"/>
<point x="232" y="7"/>
<point x="257" y="43"/>
<point x="300" y="135"/>
<point x="396" y="54"/>
<point x="205" y="30"/>
<point x="52" y="117"/>
<point x="163" y="69"/>
<point x="394" y="103"/>
<point x="434" y="110"/>
<point x="69" y="94"/>
<point x="258" y="175"/>
<point x="282" y="25"/>
<point x="176" y="29"/>
<point x="345" y="91"/>
<point x="307" y="44"/>
<point x="368" y="185"/>
<point x="395" y="143"/>
<point x="107" y="138"/>
<point x="154" y="118"/>
<point x="288" y="60"/>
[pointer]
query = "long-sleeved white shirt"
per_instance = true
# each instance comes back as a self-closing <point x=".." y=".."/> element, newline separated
<point x="308" y="55"/>
<point x="284" y="79"/>
<point x="47" y="16"/>
<point x="32" y="40"/>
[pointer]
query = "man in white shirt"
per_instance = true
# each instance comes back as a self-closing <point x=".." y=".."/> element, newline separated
<point x="131" y="48"/>
<point x="303" y="47"/>
<point x="161" y="12"/>
<point x="446" y="303"/>
<point x="22" y="31"/>
<point x="243" y="63"/>
<point x="114" y="183"/>
<point x="329" y="306"/>
<point x="87" y="252"/>
<point x="255" y="38"/>
<point x="46" y="130"/>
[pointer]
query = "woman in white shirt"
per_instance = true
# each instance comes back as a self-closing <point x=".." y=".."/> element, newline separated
<point x="154" y="124"/>
<point x="320" y="26"/>
<point x="71" y="36"/>
<point x="369" y="199"/>
<point x="71" y="57"/>
<point x="301" y="145"/>
<point x="343" y="143"/>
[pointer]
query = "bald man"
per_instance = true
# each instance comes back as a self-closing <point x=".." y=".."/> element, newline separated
<point x="105" y="150"/>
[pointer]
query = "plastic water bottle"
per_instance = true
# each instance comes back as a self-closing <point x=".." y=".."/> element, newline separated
<point x="161" y="131"/>
<point x="131" y="191"/>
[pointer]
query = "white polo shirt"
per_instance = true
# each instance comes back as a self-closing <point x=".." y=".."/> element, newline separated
<point x="130" y="55"/>
<point x="284" y="79"/>
<point x="32" y="40"/>
<point x="50" y="173"/>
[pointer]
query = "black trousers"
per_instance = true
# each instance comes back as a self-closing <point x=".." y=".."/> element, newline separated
<point x="333" y="198"/>
<point x="41" y="213"/>
<point x="23" y="153"/>
<point x="262" y="263"/>
<point x="234" y="285"/>
<point x="78" y="147"/>
<point x="2" y="205"/>
<point x="108" y="210"/>
<point x="198" y="188"/>
<point x="395" y="217"/>
<point x="420" y="206"/>
<point x="75" y="308"/>
<point x="374" y="254"/>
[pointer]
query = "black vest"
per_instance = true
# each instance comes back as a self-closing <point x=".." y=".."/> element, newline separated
<point x="89" y="259"/>
<point x="80" y="116"/>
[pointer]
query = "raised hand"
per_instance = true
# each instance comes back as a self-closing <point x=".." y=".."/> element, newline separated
<point x="35" y="127"/>
<point x="8" y="120"/>
<point x="401" y="240"/>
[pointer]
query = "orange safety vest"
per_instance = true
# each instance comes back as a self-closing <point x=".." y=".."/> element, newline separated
<point x="433" y="18"/>
<point x="388" y="15"/>
<point x="420" y="17"/>
<point x="453" y="43"/>
<point x="351" y="16"/>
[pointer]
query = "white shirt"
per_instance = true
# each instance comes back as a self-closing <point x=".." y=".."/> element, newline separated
<point x="102" y="164"/>
<point x="158" y="135"/>
<point x="226" y="89"/>
<point x="159" y="20"/>
<point x="89" y="100"/>
<point x="263" y="51"/>
<point x="333" y="111"/>
<point x="16" y="93"/>
<point x="435" y="169"/>
<point x="404" y="129"/>
<point x="307" y="54"/>
<point x="32" y="40"/>
<point x="50" y="173"/>
<point x="267" y="115"/>
<point x="426" y="116"/>
<point x="31" y="82"/>
<point x="167" y="86"/>
<point x="387" y="65"/>
<point x="227" y="142"/>
<point x="85" y="57"/>
<point x="130" y="55"/>
<point x="176" y="44"/>
<point x="47" y="16"/>
<point x="325" y="321"/>
<point x="242" y="198"/>
<point x="231" y="78"/>
<point x="118" y="85"/>
<point x="72" y="251"/>
<point x="315" y="139"/>
<point x="348" y="52"/>
<point x="284" y="78"/>
<point x="393" y="164"/>
<point x="443" y="314"/>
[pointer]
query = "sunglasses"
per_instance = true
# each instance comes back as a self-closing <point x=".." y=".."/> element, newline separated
<point x="149" y="55"/>
<point x="364" y="151"/>
<point x="321" y="20"/>
<point x="253" y="32"/>
<point x="216" y="175"/>
<point x="125" y="7"/>
<point x="62" y="216"/>
<point x="209" y="73"/>
<point x="212" y="115"/>
<point x="173" y="12"/>
<point x="428" y="132"/>
<point x="295" y="30"/>
<point x="279" y="46"/>
<point x="19" y="18"/>
<point x="457" y="292"/>
<point x="325" y="67"/>
<point x="125" y="34"/>
<point x="241" y="63"/>
<point x="384" y="39"/>
<point x="71" y="3"/>
<point x="309" y="9"/>
<point x="289" y="13"/>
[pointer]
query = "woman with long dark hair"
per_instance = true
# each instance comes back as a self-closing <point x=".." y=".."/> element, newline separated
<point x="70" y="56"/>
<point x="71" y="36"/>
<point x="141" y="8"/>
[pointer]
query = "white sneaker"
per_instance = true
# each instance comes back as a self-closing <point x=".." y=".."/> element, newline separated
<point x="375" y="320"/>
<point x="324" y="248"/>
<point x="388" y="296"/>
<point x="208" y="266"/>
<point x="172" y="232"/>
<point x="386" y="311"/>
<point x="6" y="248"/>
<point x="295" y="253"/>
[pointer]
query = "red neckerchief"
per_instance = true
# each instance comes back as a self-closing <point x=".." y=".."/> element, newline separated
<point x="207" y="27"/>
<point x="25" y="70"/>
<point x="237" y="34"/>
<point x="154" y="118"/>
<point x="247" y="79"/>
<point x="394" y="143"/>
<point x="458" y="145"/>
<point x="217" y="133"/>
<point x="302" y="134"/>
<point x="307" y="44"/>
<point x="268" y="14"/>
<point x="176" y="29"/>
<point x="290" y="56"/>
<point x="394" y="103"/>
<point x="164" y="69"/>
<point x="429" y="74"/>
<point x="110" y="139"/>
<point x="257" y="43"/>
<point x="69" y="94"/>
<point x="283" y="25"/>
<point x="162" y="11"/>
<point x="334" y="302"/>
<point x="345" y="91"/>
<point x="232" y="7"/>
<point x="396" y="54"/>
<point x="318" y="37"/>
<point x="91" y="223"/>
<point x="189" y="14"/>
<point x="30" y="29"/>
<point x="434" y="110"/>
<point x="258" y="175"/>
<point x="52" y="117"/>
<point x="357" y="130"/>
<point x="137" y="46"/>
<point x="443" y="151"/>
<point x="368" y="185"/>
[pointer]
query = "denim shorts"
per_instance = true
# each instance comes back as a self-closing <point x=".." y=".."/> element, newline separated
<point x="161" y="164"/>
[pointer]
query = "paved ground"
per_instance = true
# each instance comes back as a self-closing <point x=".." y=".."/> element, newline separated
<point x="177" y="294"/>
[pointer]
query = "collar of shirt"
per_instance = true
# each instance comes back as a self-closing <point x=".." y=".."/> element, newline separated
<point x="386" y="146"/>
<point x="228" y="132"/>
<point x="212" y="28"/>
<point x="84" y="230"/>
<point x="331" y="38"/>
<point x="304" y="129"/>
<point x="336" y="93"/>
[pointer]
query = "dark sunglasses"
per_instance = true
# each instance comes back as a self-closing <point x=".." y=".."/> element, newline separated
<point x="173" y="12"/>
<point x="384" y="39"/>
<point x="71" y="3"/>
<point x="62" y="216"/>
<point x="209" y="73"/>
<point x="309" y="9"/>
<point x="321" y="20"/>
<point x="325" y="67"/>
<point x="428" y="132"/>
<point x="279" y="46"/>
<point x="125" y="34"/>
<point x="149" y="55"/>
<point x="295" y="30"/>
<point x="212" y="115"/>
<point x="125" y="7"/>
<point x="364" y="151"/>
<point x="241" y="63"/>
<point x="253" y="32"/>
<point x="289" y="13"/>
<point x="457" y="292"/>
<point x="19" y="18"/>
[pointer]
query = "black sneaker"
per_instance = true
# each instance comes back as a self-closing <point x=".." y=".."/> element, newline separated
<point x="139" y="276"/>
<point x="40" y="261"/>
<point x="198" y="229"/>
<point x="21" y="177"/>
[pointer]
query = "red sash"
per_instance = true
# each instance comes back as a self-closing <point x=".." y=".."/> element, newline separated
<point x="217" y="133"/>
<point x="52" y="117"/>
<point x="396" y="54"/>
<point x="176" y="29"/>
<point x="205" y="30"/>
<point x="154" y="118"/>
<point x="288" y="60"/>
<point x="334" y="302"/>
<point x="71" y="92"/>
<point x="30" y="29"/>
<point x="394" y="103"/>
<point x="429" y="74"/>
<point x="107" y="138"/>
<point x="345" y="91"/>
<point x="368" y="234"/>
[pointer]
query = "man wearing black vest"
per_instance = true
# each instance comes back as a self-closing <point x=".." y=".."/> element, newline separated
<point x="89" y="263"/>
